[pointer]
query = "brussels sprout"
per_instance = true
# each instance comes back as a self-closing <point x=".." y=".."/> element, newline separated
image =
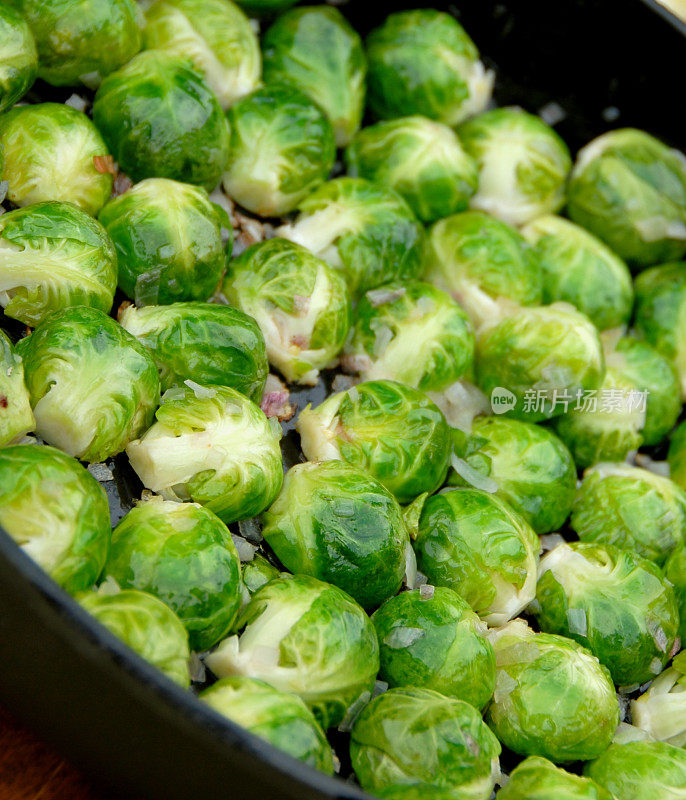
<point x="392" y="431"/>
<point x="215" y="36"/>
<point x="677" y="455"/>
<point x="264" y="7"/>
<point x="161" y="120"/>
<point x="411" y="332"/>
<point x="473" y="542"/>
<point x="256" y="573"/>
<point x="365" y="230"/>
<point x="579" y="269"/>
<point x="641" y="771"/>
<point x="16" y="416"/>
<point x="301" y="305"/>
<point x="417" y="738"/>
<point x="147" y="626"/>
<point x="93" y="387"/>
<point x="18" y="57"/>
<point x="56" y="512"/>
<point x="629" y="189"/>
<point x="184" y="555"/>
<point x="538" y="779"/>
<point x="280" y="718"/>
<point x="282" y="148"/>
<point x="423" y="62"/>
<point x="336" y="523"/>
<point x="479" y="260"/>
<point x="544" y="358"/>
<point x="523" y="164"/>
<point x="552" y="697"/>
<point x="523" y="464"/>
<point x="308" y="638"/>
<point x="54" y="152"/>
<point x="675" y="570"/>
<point x="631" y="508"/>
<point x="661" y="711"/>
<point x="211" y="445"/>
<point x="614" y="603"/>
<point x="206" y="343"/>
<point x="433" y="639"/>
<point x="54" y="256"/>
<point x="315" y="49"/>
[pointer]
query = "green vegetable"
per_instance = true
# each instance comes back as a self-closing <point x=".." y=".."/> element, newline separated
<point x="264" y="7"/>
<point x="16" y="416"/>
<point x="256" y="573"/>
<point x="675" y="572"/>
<point x="538" y="779"/>
<point x="677" y="455"/>
<point x="18" y="57"/>
<point x="661" y="710"/>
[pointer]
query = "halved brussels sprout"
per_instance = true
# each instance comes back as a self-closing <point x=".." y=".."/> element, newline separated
<point x="161" y="120"/>
<point x="56" y="511"/>
<point x="315" y="49"/>
<point x="18" y="57"/>
<point x="282" y="148"/>
<point x="675" y="571"/>
<point x="538" y="779"/>
<point x="677" y="455"/>
<point x="16" y="416"/>
<point x="336" y="523"/>
<point x="431" y="638"/>
<point x="661" y="710"/>
<point x="308" y="638"/>
<point x="256" y="573"/>
<point x="629" y="189"/>
<point x="423" y="62"/>
<point x="366" y="231"/>
<point x="184" y="555"/>
<point x="301" y="305"/>
<point x="278" y="717"/>
<point x="581" y="270"/>
<point x="416" y="738"/>
<point x="479" y="261"/>
<point x="93" y="387"/>
<point x="206" y="343"/>
<point x="147" y="626"/>
<point x="54" y="152"/>
<point x="552" y="697"/>
<point x="411" y="332"/>
<point x="215" y="36"/>
<point x="474" y="543"/>
<point x="524" y="464"/>
<point x="54" y="256"/>
<point x="631" y="508"/>
<point x="211" y="445"/>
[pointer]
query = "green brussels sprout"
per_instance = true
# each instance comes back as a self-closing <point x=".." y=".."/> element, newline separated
<point x="677" y="455"/>
<point x="301" y="305"/>
<point x="336" y="523"/>
<point x="523" y="164"/>
<point x="614" y="603"/>
<point x="308" y="638"/>
<point x="260" y="8"/>
<point x="257" y="572"/>
<point x="540" y="360"/>
<point x="168" y="238"/>
<point x="411" y="332"/>
<point x="423" y="62"/>
<point x="82" y="41"/>
<point x="629" y="189"/>
<point x="278" y="717"/>
<point x="184" y="555"/>
<point x="430" y="637"/>
<point x="202" y="342"/>
<point x="581" y="270"/>
<point x="56" y="511"/>
<point x="365" y="230"/>
<point x="282" y="148"/>
<point x="147" y="626"/>
<point x="211" y="445"/>
<point x="538" y="779"/>
<point x="631" y="508"/>
<point x="675" y="570"/>
<point x="18" y="57"/>
<point x="552" y="697"/>
<point x="215" y="35"/>
<point x="93" y="387"/>
<point x="641" y="771"/>
<point x="161" y="120"/>
<point x="661" y="711"/>
<point x="54" y="152"/>
<point x="523" y="464"/>
<point x="416" y="738"/>
<point x="54" y="256"/>
<point x="315" y="49"/>
<point x="479" y="261"/>
<point x="474" y="543"/>
<point x="16" y="416"/>
<point x="421" y="159"/>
